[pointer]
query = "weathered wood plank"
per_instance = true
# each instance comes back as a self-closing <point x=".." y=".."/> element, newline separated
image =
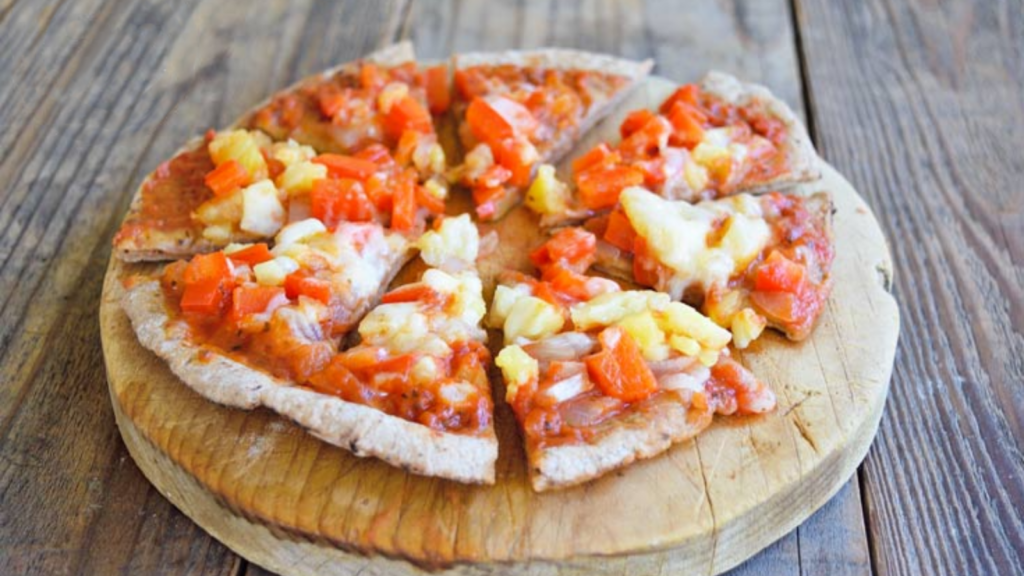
<point x="919" y="104"/>
<point x="107" y="92"/>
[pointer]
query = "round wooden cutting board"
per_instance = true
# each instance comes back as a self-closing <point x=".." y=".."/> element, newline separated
<point x="295" y="505"/>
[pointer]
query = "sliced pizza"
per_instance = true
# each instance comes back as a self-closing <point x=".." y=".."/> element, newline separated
<point x="518" y="110"/>
<point x="249" y="326"/>
<point x="600" y="378"/>
<point x="261" y="314"/>
<point x="374" y="100"/>
<point x="706" y="140"/>
<point x="746" y="261"/>
<point x="242" y="185"/>
<point x="414" y="392"/>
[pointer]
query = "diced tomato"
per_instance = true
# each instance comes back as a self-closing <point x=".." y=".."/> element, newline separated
<point x="634" y="121"/>
<point x="781" y="306"/>
<point x="252" y="255"/>
<point x="300" y="284"/>
<point x="330" y="98"/>
<point x="484" y="196"/>
<point x="565" y="281"/>
<point x="336" y="379"/>
<point x="416" y="292"/>
<point x="620" y="232"/>
<point x="470" y="83"/>
<point x="653" y="170"/>
<point x="407" y="114"/>
<point x="246" y="300"/>
<point x="213" y="266"/>
<point x="438" y="94"/>
<point x="376" y="153"/>
<point x="572" y="248"/>
<point x="495" y="118"/>
<point x="619" y="370"/>
<point x="371" y="77"/>
<point x="206" y="296"/>
<point x="649" y="140"/>
<point x="378" y="192"/>
<point x="208" y="282"/>
<point x="401" y="364"/>
<point x="362" y="357"/>
<point x="687" y="125"/>
<point x="599" y="189"/>
<point x="594" y="156"/>
<point x="403" y="211"/>
<point x="334" y="201"/>
<point x="689" y="93"/>
<point x="645" y="267"/>
<point x="227" y="178"/>
<point x="779" y="274"/>
<point x="341" y="166"/>
<point x="509" y="154"/>
<point x="494" y="176"/>
<point x="425" y="199"/>
<point x="546" y="292"/>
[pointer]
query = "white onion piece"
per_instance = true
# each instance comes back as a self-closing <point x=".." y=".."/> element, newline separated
<point x="614" y="261"/>
<point x="588" y="411"/>
<point x="693" y="380"/>
<point x="672" y="365"/>
<point x="562" y="347"/>
<point x="567" y="388"/>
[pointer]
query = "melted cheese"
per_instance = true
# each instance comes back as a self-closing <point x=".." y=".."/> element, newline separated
<point x="456" y="239"/>
<point x="678" y="233"/>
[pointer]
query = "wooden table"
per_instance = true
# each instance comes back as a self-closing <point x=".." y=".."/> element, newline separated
<point x="921" y="106"/>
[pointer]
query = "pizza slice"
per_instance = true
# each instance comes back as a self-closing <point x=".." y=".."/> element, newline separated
<point x="373" y="100"/>
<point x="599" y="378"/>
<point x="518" y="110"/>
<point x="414" y="392"/>
<point x="232" y="322"/>
<point x="746" y="261"/>
<point x="376" y="158"/>
<point x="705" y="141"/>
<point x="249" y="327"/>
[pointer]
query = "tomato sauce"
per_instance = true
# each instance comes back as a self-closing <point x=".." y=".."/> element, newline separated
<point x="171" y="194"/>
<point x="338" y="114"/>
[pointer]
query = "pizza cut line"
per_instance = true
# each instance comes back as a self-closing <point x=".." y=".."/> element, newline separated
<point x="283" y="234"/>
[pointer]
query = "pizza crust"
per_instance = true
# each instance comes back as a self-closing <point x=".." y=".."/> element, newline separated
<point x="360" y="429"/>
<point x="821" y="209"/>
<point x="566" y="59"/>
<point x="801" y="157"/>
<point x="670" y="422"/>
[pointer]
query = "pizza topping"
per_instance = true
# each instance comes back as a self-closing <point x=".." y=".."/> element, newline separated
<point x="747" y="261"/>
<point x="262" y="212"/>
<point x="518" y="368"/>
<point x="421" y="356"/>
<point x="517" y="113"/>
<point x="454" y="243"/>
<point x="547" y="194"/>
<point x="619" y="369"/>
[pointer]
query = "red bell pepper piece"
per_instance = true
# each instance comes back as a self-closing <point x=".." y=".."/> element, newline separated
<point x="619" y="369"/>
<point x="438" y="93"/>
<point x="227" y="178"/>
<point x="341" y="166"/>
